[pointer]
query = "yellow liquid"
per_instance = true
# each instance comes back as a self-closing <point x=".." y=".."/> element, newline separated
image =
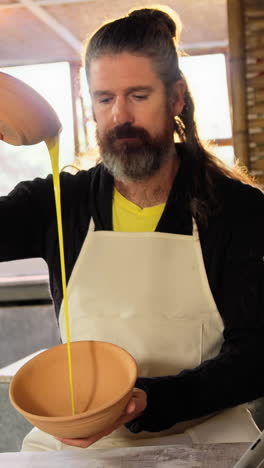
<point x="53" y="147"/>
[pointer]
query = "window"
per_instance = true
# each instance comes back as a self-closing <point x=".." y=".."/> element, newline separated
<point x="18" y="163"/>
<point x="206" y="76"/>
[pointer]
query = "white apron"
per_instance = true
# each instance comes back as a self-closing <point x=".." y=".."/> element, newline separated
<point x="148" y="292"/>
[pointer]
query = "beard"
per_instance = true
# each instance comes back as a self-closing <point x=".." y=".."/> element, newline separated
<point x="131" y="154"/>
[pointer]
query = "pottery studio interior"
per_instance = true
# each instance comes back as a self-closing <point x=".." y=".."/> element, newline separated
<point x="45" y="64"/>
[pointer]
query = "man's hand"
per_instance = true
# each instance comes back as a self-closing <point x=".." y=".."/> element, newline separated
<point x="134" y="408"/>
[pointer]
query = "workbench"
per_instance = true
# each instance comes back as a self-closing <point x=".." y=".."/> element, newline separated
<point x="169" y="456"/>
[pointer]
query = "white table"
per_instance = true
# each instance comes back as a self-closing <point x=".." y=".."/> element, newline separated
<point x="170" y="456"/>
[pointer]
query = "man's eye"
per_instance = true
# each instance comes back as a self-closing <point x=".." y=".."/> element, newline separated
<point x="140" y="97"/>
<point x="105" y="100"/>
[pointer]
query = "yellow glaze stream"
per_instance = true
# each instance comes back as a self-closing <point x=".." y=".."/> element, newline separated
<point x="53" y="147"/>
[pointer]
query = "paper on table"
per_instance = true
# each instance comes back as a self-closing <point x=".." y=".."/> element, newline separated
<point x="177" y="456"/>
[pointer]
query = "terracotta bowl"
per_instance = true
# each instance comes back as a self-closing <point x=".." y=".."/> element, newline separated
<point x="26" y="118"/>
<point x="103" y="377"/>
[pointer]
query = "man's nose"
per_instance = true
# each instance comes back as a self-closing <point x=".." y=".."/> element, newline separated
<point x="121" y="112"/>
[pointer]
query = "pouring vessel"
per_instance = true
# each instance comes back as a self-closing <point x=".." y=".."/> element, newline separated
<point x="26" y="118"/>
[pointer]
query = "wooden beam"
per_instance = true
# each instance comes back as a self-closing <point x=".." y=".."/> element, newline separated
<point x="236" y="26"/>
<point x="222" y="141"/>
<point x="44" y="3"/>
<point x="204" y="48"/>
<point x="52" y="23"/>
<point x="75" y="91"/>
<point x="17" y="62"/>
<point x="204" y="45"/>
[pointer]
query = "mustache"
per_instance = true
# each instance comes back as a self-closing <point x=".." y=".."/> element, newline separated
<point x="127" y="131"/>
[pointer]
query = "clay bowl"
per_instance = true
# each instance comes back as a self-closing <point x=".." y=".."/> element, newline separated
<point x="103" y="377"/>
<point x="26" y="118"/>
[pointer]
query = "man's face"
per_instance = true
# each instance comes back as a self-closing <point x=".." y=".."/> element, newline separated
<point x="134" y="118"/>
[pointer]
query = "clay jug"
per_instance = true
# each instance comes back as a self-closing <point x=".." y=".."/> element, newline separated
<point x="26" y="118"/>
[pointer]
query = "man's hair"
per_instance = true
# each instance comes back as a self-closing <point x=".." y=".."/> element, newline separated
<point x="155" y="34"/>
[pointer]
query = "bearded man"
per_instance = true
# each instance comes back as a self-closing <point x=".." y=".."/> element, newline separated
<point x="166" y="246"/>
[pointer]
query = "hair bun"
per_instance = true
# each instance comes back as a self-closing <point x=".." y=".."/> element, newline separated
<point x="164" y="16"/>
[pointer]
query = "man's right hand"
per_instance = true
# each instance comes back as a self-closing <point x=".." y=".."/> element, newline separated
<point x="134" y="408"/>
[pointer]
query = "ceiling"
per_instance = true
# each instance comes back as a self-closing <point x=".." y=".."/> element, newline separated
<point x="40" y="31"/>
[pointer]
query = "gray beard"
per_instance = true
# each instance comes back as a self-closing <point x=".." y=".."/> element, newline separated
<point x="138" y="158"/>
<point x="136" y="166"/>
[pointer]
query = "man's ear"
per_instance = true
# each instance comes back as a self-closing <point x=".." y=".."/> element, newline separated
<point x="178" y="96"/>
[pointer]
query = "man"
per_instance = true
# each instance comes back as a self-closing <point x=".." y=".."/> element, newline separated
<point x="165" y="244"/>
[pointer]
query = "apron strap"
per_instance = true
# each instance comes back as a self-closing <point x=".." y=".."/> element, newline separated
<point x="91" y="225"/>
<point x="194" y="224"/>
<point x="195" y="230"/>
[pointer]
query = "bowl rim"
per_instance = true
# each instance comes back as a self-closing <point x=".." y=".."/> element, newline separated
<point x="84" y="414"/>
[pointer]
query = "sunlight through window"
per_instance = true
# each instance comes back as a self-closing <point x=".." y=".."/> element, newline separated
<point x="206" y="77"/>
<point x="18" y="163"/>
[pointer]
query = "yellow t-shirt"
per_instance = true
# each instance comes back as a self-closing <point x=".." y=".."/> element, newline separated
<point x="128" y="217"/>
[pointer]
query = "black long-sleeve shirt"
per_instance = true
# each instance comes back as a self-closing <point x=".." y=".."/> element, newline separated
<point x="233" y="250"/>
